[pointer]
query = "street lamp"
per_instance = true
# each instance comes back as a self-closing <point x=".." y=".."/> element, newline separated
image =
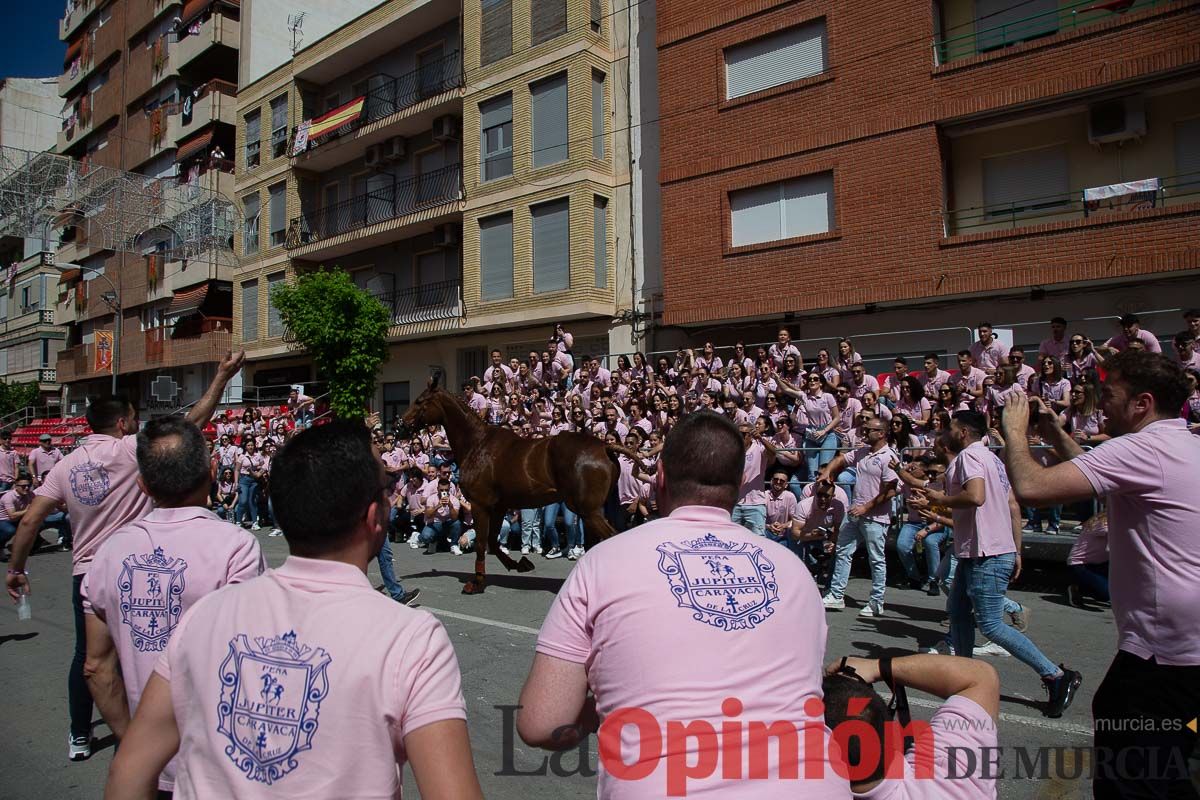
<point x="113" y="299"/>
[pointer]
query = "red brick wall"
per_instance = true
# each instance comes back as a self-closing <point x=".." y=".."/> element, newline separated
<point x="872" y="119"/>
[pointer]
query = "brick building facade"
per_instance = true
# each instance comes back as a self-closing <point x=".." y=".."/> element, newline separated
<point x="924" y="152"/>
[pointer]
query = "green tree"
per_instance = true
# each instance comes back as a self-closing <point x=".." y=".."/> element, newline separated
<point x="15" y="396"/>
<point x="345" y="331"/>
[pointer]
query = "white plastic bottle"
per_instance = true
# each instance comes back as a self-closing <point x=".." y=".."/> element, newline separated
<point x="24" y="608"/>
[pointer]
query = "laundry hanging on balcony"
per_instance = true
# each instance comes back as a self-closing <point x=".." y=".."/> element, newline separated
<point x="341" y="116"/>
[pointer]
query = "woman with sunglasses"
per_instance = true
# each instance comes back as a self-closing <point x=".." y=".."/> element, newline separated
<point x="949" y="400"/>
<point x="1051" y="386"/>
<point x="846" y="360"/>
<point x="1083" y="418"/>
<point x="912" y="404"/>
<point x="1082" y="358"/>
<point x="826" y="369"/>
<point x="813" y="419"/>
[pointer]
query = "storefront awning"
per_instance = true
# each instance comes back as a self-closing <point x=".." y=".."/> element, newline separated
<point x="194" y="146"/>
<point x="193" y="9"/>
<point x="73" y="50"/>
<point x="188" y="301"/>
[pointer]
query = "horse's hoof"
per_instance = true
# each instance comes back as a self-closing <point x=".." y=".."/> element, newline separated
<point x="473" y="588"/>
<point x="524" y="565"/>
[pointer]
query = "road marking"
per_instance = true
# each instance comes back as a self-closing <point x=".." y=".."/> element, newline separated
<point x="480" y="620"/>
<point x="1018" y="719"/>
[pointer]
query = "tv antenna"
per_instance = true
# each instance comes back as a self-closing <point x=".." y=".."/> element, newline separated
<point x="296" y="26"/>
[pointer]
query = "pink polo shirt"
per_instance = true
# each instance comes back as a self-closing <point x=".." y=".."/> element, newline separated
<point x="10" y="463"/>
<point x="932" y="385"/>
<point x="872" y="471"/>
<point x="1151" y="483"/>
<point x="43" y="460"/>
<point x="962" y="730"/>
<point x="986" y="530"/>
<point x="971" y="381"/>
<point x="741" y="618"/>
<point x="98" y="482"/>
<point x="1056" y="348"/>
<point x="829" y="517"/>
<point x="1121" y="341"/>
<point x="304" y="682"/>
<point x="11" y="503"/>
<point x="781" y="507"/>
<point x="754" y="470"/>
<point x="989" y="356"/>
<point x="149" y="572"/>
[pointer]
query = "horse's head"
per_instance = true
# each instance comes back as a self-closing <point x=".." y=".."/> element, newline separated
<point x="425" y="410"/>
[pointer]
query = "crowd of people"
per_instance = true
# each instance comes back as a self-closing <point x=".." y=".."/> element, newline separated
<point x="766" y="470"/>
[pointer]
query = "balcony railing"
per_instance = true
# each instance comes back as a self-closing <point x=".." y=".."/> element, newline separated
<point x="390" y="95"/>
<point x="1071" y="205"/>
<point x="1076" y="15"/>
<point x="405" y="197"/>
<point x="427" y="303"/>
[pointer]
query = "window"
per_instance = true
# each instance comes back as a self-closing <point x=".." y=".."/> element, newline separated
<point x="597" y="114"/>
<point x="26" y="300"/>
<point x="395" y="403"/>
<point x="496" y="136"/>
<point x="496" y="34"/>
<point x="775" y="60"/>
<point x="250" y="224"/>
<point x="596" y="14"/>
<point x="600" y="240"/>
<point x="432" y="70"/>
<point x="250" y="311"/>
<point x="548" y="18"/>
<point x="431" y="272"/>
<point x="496" y="257"/>
<point x="999" y="23"/>
<point x="253" y="125"/>
<point x="274" y="319"/>
<point x="278" y="211"/>
<point x="471" y="362"/>
<point x="1025" y="182"/>
<point x="1187" y="153"/>
<point x="551" y="246"/>
<point x="549" y="120"/>
<point x="784" y="210"/>
<point x="279" y="126"/>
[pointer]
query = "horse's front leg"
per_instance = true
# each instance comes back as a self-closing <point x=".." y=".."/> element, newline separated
<point x="524" y="565"/>
<point x="483" y="523"/>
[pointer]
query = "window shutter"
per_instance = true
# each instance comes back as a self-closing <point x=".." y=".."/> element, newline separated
<point x="598" y="115"/>
<point x="775" y="60"/>
<point x="279" y="113"/>
<point x="496" y="34"/>
<point x="1026" y="181"/>
<point x="755" y="215"/>
<point x="1003" y="22"/>
<point x="496" y="137"/>
<point x="1187" y="153"/>
<point x="496" y="257"/>
<point x="274" y="319"/>
<point x="250" y="205"/>
<point x="596" y="14"/>
<point x="600" y="240"/>
<point x="249" y="311"/>
<point x="797" y="207"/>
<point x="548" y="18"/>
<point x="807" y="205"/>
<point x="253" y="127"/>
<point x="550" y="120"/>
<point x="496" y="111"/>
<point x="278" y="207"/>
<point x="551" y="246"/>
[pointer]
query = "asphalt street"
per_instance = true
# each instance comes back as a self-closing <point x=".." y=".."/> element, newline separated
<point x="494" y="636"/>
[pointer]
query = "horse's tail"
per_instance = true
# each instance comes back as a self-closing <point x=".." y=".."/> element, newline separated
<point x="615" y="450"/>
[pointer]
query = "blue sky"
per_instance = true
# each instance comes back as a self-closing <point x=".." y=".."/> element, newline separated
<point x="29" y="45"/>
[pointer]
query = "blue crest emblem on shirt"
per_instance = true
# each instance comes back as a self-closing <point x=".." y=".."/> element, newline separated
<point x="151" y="590"/>
<point x="270" y="697"/>
<point x="729" y="585"/>
<point x="90" y="483"/>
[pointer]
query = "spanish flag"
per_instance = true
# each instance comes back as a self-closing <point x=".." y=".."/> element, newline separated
<point x="342" y="115"/>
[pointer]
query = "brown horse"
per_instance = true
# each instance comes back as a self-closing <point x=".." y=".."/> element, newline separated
<point x="499" y="471"/>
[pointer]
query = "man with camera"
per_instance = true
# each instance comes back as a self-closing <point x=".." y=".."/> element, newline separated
<point x="441" y="517"/>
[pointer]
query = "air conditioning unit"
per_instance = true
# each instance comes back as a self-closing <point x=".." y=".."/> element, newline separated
<point x="446" y="235"/>
<point x="374" y="157"/>
<point x="445" y="129"/>
<point x="1117" y="120"/>
<point x="395" y="149"/>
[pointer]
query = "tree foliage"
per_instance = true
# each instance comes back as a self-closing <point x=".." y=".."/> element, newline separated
<point x="344" y="329"/>
<point x="15" y="396"/>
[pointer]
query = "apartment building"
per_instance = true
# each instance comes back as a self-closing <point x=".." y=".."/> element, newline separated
<point x="469" y="165"/>
<point x="29" y="338"/>
<point x="881" y="169"/>
<point x="149" y="88"/>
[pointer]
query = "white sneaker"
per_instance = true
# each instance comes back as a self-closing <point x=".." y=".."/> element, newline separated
<point x="504" y="549"/>
<point x="941" y="648"/>
<point x="275" y="532"/>
<point x="256" y="527"/>
<point x="554" y="552"/>
<point x="79" y="748"/>
<point x="524" y="551"/>
<point x="414" y="541"/>
<point x="990" y="649"/>
<point x="456" y="550"/>
<point x="579" y="551"/>
<point x="830" y="602"/>
<point x="872" y="610"/>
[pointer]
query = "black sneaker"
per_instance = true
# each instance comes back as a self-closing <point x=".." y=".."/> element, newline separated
<point x="1062" y="691"/>
<point x="407" y="598"/>
<point x="933" y="590"/>
<point x="916" y="583"/>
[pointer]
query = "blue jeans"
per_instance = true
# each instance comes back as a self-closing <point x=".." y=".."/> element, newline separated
<point x="977" y="598"/>
<point x="439" y="529"/>
<point x="751" y="516"/>
<point x="905" y="543"/>
<point x="570" y="519"/>
<point x="247" y="505"/>
<point x="530" y="535"/>
<point x="7" y="531"/>
<point x="1036" y="516"/>
<point x="825" y="451"/>
<point x="1092" y="579"/>
<point x="873" y="534"/>
<point x="389" y="574"/>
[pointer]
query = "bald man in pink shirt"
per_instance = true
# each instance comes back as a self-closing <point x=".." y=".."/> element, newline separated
<point x="305" y="682"/>
<point x="150" y="572"/>
<point x="1147" y="473"/>
<point x="740" y="618"/>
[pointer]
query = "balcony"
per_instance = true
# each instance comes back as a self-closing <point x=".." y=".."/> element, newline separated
<point x="380" y="216"/>
<point x="1010" y="27"/>
<point x="80" y="67"/>
<point x="157" y="347"/>
<point x="92" y="110"/>
<point x="77" y="364"/>
<point x="392" y="107"/>
<point x="418" y="310"/>
<point x="77" y="12"/>
<point x="217" y="103"/>
<point x="217" y="31"/>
